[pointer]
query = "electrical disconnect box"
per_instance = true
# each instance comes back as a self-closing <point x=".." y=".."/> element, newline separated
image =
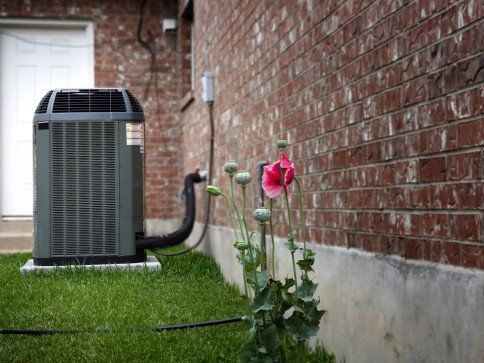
<point x="88" y="175"/>
<point x="208" y="92"/>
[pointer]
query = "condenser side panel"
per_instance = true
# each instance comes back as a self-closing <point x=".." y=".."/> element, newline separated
<point x="41" y="192"/>
<point x="84" y="189"/>
<point x="130" y="187"/>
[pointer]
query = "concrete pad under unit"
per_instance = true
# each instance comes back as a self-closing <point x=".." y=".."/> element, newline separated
<point x="151" y="264"/>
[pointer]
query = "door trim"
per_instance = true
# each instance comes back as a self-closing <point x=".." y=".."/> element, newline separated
<point x="88" y="27"/>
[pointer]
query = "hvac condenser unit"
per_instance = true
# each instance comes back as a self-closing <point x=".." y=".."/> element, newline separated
<point x="88" y="173"/>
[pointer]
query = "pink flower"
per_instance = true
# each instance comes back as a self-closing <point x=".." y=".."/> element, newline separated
<point x="277" y="176"/>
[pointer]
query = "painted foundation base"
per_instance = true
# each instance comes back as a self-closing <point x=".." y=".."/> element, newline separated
<point x="382" y="308"/>
<point x="156" y="227"/>
<point x="151" y="264"/>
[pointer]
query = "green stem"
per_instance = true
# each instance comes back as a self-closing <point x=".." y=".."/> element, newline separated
<point x="244" y="222"/>
<point x="232" y="197"/>
<point x="301" y="212"/>
<point x="231" y="218"/>
<point x="294" y="268"/>
<point x="251" y="254"/>
<point x="263" y="247"/>
<point x="288" y="211"/>
<point x="236" y="239"/>
<point x="272" y="242"/>
<point x="244" y="274"/>
<point x="290" y="231"/>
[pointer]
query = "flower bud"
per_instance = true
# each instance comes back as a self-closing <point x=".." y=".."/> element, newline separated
<point x="213" y="190"/>
<point x="241" y="246"/>
<point x="242" y="178"/>
<point x="231" y="167"/>
<point x="281" y="144"/>
<point x="262" y="214"/>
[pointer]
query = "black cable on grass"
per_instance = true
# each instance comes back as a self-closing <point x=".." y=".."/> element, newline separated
<point x="38" y="332"/>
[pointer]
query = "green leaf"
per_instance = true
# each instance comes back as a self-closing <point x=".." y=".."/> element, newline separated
<point x="270" y="338"/>
<point x="263" y="301"/>
<point x="291" y="236"/>
<point x="251" y="333"/>
<point x="305" y="265"/>
<point x="289" y="283"/>
<point x="291" y="246"/>
<point x="262" y="279"/>
<point x="262" y="350"/>
<point x="300" y="328"/>
<point x="309" y="255"/>
<point x="307" y="262"/>
<point x="305" y="291"/>
<point x="310" y="330"/>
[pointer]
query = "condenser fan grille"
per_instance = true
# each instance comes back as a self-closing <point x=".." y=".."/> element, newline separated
<point x="83" y="189"/>
<point x="42" y="107"/>
<point x="135" y="105"/>
<point x="89" y="100"/>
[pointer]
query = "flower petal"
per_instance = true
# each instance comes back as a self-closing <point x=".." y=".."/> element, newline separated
<point x="285" y="162"/>
<point x="271" y="180"/>
<point x="288" y="167"/>
<point x="289" y="176"/>
<point x="274" y="168"/>
<point x="272" y="191"/>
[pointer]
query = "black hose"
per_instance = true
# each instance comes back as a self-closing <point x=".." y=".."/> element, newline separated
<point x="107" y="330"/>
<point x="260" y="170"/>
<point x="157" y="251"/>
<point x="182" y="233"/>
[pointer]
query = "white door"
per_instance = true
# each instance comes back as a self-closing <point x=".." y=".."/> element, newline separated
<point x="33" y="60"/>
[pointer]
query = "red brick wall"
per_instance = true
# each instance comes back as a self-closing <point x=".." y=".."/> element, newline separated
<point x="381" y="102"/>
<point x="121" y="61"/>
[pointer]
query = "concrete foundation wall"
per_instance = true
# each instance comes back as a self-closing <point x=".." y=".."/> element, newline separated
<point x="383" y="308"/>
<point x="156" y="227"/>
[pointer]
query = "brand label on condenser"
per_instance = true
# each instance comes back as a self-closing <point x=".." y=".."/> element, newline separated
<point x="135" y="134"/>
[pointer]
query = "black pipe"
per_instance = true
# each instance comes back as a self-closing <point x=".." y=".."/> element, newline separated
<point x="154" y="329"/>
<point x="158" y="251"/>
<point x="182" y="233"/>
<point x="260" y="170"/>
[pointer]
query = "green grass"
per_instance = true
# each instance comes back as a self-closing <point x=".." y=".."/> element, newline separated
<point x="189" y="288"/>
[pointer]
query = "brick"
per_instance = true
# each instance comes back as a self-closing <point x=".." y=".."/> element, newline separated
<point x="463" y="166"/>
<point x="472" y="256"/>
<point x="435" y="225"/>
<point x="396" y="246"/>
<point x="414" y="249"/>
<point x="464" y="227"/>
<point x="446" y="252"/>
<point x="432" y="169"/>
<point x="471" y="133"/>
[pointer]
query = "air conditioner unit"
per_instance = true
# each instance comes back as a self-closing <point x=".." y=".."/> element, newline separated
<point x="88" y="174"/>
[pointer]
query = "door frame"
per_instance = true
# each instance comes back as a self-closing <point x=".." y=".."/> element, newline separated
<point x="88" y="27"/>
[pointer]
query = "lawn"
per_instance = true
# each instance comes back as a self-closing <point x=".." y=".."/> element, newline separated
<point x="189" y="288"/>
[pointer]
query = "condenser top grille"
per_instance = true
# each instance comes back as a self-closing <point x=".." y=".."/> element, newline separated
<point x="89" y="100"/>
<point x="135" y="106"/>
<point x="102" y="104"/>
<point x="42" y="107"/>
